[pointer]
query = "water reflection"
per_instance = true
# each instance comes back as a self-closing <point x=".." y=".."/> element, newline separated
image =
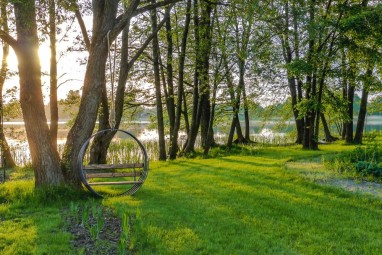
<point x="261" y="134"/>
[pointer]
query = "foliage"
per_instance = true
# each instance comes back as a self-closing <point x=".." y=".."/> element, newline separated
<point x="364" y="161"/>
<point x="12" y="108"/>
<point x="375" y="106"/>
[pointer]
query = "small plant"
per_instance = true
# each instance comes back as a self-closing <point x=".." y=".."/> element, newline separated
<point x="84" y="215"/>
<point x="125" y="234"/>
<point x="74" y="211"/>
<point x="369" y="168"/>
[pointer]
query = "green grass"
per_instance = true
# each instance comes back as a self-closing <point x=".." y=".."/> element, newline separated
<point x="241" y="204"/>
<point x="31" y="220"/>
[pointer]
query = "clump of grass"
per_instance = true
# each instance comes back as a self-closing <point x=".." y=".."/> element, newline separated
<point x="130" y="223"/>
<point x="364" y="161"/>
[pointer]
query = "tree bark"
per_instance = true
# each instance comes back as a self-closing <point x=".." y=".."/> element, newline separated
<point x="204" y="58"/>
<point x="104" y="20"/>
<point x="309" y="141"/>
<point x="53" y="74"/>
<point x="100" y="144"/>
<point x="6" y="153"/>
<point x="362" y="111"/>
<point x="328" y="135"/>
<point x="158" y="93"/>
<point x="195" y="120"/>
<point x="45" y="158"/>
<point x="349" y="123"/>
<point x="210" y="141"/>
<point x="170" y="100"/>
<point x="180" y="93"/>
<point x="294" y="87"/>
<point x="246" y="116"/>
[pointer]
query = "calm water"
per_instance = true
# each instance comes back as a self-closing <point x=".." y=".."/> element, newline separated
<point x="263" y="133"/>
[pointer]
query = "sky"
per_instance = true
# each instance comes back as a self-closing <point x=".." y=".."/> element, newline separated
<point x="68" y="67"/>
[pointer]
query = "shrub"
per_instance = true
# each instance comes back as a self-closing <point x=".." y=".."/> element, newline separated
<point x="364" y="161"/>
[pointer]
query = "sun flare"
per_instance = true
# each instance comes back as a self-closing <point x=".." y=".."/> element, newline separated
<point x="43" y="52"/>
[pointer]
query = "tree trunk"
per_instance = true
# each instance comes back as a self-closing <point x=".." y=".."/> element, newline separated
<point x="103" y="20"/>
<point x="6" y="153"/>
<point x="210" y="141"/>
<point x="195" y="120"/>
<point x="45" y="158"/>
<point x="345" y="98"/>
<point x="362" y="114"/>
<point x="87" y="115"/>
<point x="310" y="141"/>
<point x="246" y="110"/>
<point x="158" y="94"/>
<point x="349" y="123"/>
<point x="294" y="89"/>
<point x="328" y="135"/>
<point x="170" y="100"/>
<point x="235" y="102"/>
<point x="100" y="145"/>
<point x="53" y="74"/>
<point x="298" y="121"/>
<point x="180" y="94"/>
<point x="204" y="58"/>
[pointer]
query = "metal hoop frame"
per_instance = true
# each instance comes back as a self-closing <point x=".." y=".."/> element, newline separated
<point x="135" y="187"/>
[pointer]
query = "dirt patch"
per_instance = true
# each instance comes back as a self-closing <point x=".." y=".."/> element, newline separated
<point x="96" y="230"/>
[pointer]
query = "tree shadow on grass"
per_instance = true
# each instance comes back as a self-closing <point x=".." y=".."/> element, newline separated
<point x="200" y="207"/>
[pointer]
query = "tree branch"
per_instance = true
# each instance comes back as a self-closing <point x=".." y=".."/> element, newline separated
<point x="132" y="11"/>
<point x="9" y="40"/>
<point x="83" y="28"/>
<point x="148" y="40"/>
<point x="122" y="20"/>
<point x="149" y="7"/>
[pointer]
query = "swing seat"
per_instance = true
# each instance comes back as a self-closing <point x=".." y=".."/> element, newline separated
<point x="128" y="176"/>
<point x="114" y="183"/>
<point x="94" y="171"/>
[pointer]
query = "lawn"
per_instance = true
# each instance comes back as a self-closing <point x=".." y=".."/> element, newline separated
<point x="242" y="204"/>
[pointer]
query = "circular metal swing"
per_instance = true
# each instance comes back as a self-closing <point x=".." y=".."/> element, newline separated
<point x="114" y="179"/>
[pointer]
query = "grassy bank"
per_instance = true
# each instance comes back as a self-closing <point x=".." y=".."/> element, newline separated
<point x="241" y="204"/>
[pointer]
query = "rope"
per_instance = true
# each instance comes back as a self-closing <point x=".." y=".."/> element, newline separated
<point x="2" y="141"/>
<point x="112" y="76"/>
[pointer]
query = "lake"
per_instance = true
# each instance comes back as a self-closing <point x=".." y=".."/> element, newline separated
<point x="263" y="133"/>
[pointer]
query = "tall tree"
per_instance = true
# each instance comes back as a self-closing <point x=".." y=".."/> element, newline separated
<point x="45" y="158"/>
<point x="180" y="98"/>
<point x="98" y="151"/>
<point x="53" y="74"/>
<point x="105" y="23"/>
<point x="201" y="93"/>
<point x="6" y="153"/>
<point x="158" y="93"/>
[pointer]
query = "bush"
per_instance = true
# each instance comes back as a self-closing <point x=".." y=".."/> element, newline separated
<point x="364" y="161"/>
<point x="368" y="168"/>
